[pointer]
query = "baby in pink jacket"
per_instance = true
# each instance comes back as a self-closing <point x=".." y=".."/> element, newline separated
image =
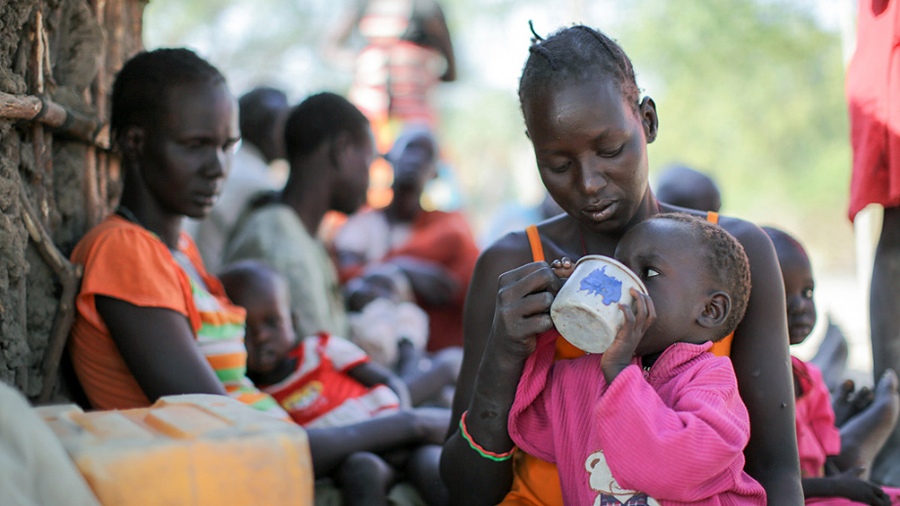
<point x="657" y="418"/>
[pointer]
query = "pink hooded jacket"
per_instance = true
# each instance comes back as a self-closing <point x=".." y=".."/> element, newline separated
<point x="673" y="434"/>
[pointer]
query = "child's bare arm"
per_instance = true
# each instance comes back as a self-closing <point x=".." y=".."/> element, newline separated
<point x="330" y="446"/>
<point x="371" y="374"/>
<point x="846" y="485"/>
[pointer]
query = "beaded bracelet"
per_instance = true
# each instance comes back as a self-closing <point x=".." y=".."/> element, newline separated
<point x="496" y="457"/>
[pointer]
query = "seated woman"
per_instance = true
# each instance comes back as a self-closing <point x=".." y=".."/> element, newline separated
<point x="151" y="321"/>
<point x="435" y="249"/>
<point x="590" y="128"/>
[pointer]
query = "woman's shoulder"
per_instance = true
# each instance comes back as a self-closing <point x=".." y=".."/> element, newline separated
<point x="268" y="227"/>
<point x="749" y="234"/>
<point x="560" y="236"/>
<point x="113" y="233"/>
<point x="746" y="232"/>
<point x="518" y="248"/>
<point x="507" y="252"/>
<point x="125" y="261"/>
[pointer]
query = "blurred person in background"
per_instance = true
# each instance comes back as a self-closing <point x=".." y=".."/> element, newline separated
<point x="515" y="216"/>
<point x="407" y="51"/>
<point x="683" y="186"/>
<point x="872" y="78"/>
<point x="434" y="249"/>
<point x="329" y="148"/>
<point x="262" y="114"/>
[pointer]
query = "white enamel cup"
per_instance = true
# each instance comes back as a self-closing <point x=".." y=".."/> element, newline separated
<point x="586" y="309"/>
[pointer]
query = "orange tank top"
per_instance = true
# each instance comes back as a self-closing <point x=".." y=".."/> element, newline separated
<point x="536" y="482"/>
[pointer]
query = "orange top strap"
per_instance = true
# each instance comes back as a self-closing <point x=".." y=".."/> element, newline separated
<point x="721" y="348"/>
<point x="534" y="239"/>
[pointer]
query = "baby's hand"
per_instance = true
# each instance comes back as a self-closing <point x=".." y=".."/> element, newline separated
<point x="562" y="267"/>
<point x="619" y="354"/>
<point x="849" y="485"/>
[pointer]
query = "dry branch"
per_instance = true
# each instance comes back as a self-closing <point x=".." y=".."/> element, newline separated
<point x="62" y="119"/>
<point x="69" y="277"/>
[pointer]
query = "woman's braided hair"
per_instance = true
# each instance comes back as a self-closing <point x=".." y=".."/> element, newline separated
<point x="577" y="52"/>
<point x="141" y="88"/>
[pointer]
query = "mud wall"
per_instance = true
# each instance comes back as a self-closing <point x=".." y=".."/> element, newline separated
<point x="54" y="185"/>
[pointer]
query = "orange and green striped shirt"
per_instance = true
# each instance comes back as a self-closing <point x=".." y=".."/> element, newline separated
<point x="123" y="260"/>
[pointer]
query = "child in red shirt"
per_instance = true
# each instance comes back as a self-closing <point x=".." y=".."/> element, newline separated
<point x="325" y="381"/>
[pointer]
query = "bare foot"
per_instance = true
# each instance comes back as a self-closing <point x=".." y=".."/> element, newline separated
<point x="863" y="436"/>
<point x="849" y="402"/>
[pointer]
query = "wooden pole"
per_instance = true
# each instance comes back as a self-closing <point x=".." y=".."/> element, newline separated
<point x="42" y="173"/>
<point x="70" y="278"/>
<point x="63" y="120"/>
<point x="94" y="160"/>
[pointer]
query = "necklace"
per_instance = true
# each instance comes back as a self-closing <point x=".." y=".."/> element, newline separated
<point x="180" y="258"/>
<point x="126" y="213"/>
<point x="129" y="215"/>
<point x="583" y="244"/>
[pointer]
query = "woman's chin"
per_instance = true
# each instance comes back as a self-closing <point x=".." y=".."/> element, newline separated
<point x="198" y="213"/>
<point x="797" y="337"/>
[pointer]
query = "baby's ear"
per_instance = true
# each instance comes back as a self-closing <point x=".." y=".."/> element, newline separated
<point x="716" y="310"/>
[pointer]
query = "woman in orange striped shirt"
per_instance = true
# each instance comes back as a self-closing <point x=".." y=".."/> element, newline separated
<point x="150" y="320"/>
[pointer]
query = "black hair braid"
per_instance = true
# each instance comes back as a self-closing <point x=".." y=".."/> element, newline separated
<point x="614" y="50"/>
<point x="541" y="50"/>
<point x="537" y="48"/>
<point x="576" y="53"/>
<point x="534" y="35"/>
